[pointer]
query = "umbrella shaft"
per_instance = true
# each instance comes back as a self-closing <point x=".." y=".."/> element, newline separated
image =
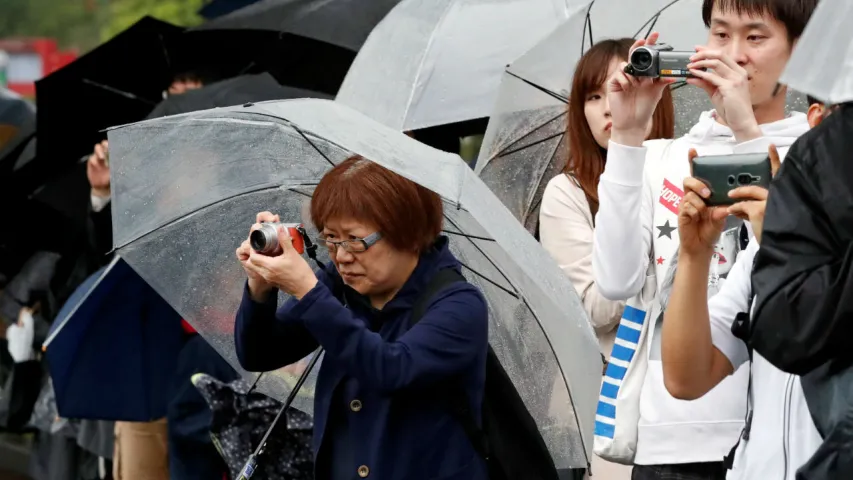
<point x="249" y="468"/>
<point x="286" y="405"/>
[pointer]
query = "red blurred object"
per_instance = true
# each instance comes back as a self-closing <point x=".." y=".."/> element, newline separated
<point x="30" y="59"/>
<point x="187" y="327"/>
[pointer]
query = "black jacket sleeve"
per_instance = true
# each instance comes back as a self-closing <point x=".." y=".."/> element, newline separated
<point x="100" y="233"/>
<point x="803" y="277"/>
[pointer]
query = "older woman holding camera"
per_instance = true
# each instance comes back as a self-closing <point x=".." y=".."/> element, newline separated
<point x="378" y="409"/>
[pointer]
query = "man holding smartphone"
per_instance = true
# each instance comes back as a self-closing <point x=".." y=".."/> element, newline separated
<point x="700" y="349"/>
<point x="640" y="192"/>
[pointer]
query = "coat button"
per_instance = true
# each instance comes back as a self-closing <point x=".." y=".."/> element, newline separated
<point x="355" y="405"/>
<point x="363" y="471"/>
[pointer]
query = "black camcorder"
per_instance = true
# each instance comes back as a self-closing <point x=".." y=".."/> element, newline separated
<point x="658" y="61"/>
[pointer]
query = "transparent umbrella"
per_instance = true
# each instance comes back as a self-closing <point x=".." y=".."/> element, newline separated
<point x="437" y="62"/>
<point x="524" y="146"/>
<point x="822" y="62"/>
<point x="187" y="187"/>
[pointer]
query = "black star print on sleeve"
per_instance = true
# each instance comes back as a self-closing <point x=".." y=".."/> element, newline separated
<point x="665" y="229"/>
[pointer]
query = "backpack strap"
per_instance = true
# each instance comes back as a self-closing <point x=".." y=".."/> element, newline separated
<point x="457" y="400"/>
<point x="443" y="278"/>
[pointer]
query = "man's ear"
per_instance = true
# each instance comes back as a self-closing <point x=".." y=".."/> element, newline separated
<point x="815" y="114"/>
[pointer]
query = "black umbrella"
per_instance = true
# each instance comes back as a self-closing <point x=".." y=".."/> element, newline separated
<point x="345" y="23"/>
<point x="118" y="82"/>
<point x="218" y="8"/>
<point x="123" y="79"/>
<point x="309" y="43"/>
<point x="234" y="91"/>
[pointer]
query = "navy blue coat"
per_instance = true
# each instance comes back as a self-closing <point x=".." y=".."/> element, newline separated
<point x="378" y="406"/>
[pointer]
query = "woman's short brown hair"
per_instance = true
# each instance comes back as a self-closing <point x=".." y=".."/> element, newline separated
<point x="408" y="215"/>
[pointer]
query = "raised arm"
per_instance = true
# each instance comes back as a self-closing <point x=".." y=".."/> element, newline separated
<point x="622" y="240"/>
<point x="692" y="364"/>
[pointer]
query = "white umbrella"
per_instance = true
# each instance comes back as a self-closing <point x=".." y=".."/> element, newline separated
<point x="822" y="62"/>
<point x="436" y="62"/>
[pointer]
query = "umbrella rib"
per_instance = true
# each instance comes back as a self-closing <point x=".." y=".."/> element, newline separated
<point x="486" y="256"/>
<point x="165" y="51"/>
<point x="468" y="236"/>
<point x="312" y="144"/>
<point x="677" y="85"/>
<point x="118" y="92"/>
<point x="247" y="68"/>
<point x="560" y="366"/>
<point x="542" y="175"/>
<point x="587" y="23"/>
<point x="537" y="142"/>
<point x="503" y="150"/>
<point x="654" y="18"/>
<point x="198" y="209"/>
<point x="508" y="291"/>
<point x="255" y="383"/>
<point x="294" y="190"/>
<point x="542" y="89"/>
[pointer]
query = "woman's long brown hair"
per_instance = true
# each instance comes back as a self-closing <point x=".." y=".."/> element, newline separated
<point x="586" y="157"/>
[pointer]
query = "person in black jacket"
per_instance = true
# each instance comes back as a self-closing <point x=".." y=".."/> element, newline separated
<point x="803" y="284"/>
<point x="803" y="273"/>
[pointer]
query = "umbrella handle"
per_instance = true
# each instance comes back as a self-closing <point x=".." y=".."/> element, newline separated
<point x="252" y="463"/>
<point x="249" y="468"/>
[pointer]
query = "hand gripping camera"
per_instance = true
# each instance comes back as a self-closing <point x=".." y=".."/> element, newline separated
<point x="265" y="239"/>
<point x="658" y="61"/>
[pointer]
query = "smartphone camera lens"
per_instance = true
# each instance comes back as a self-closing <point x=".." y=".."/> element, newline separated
<point x="731" y="180"/>
<point x="744" y="179"/>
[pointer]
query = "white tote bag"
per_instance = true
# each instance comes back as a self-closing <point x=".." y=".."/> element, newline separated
<point x="618" y="412"/>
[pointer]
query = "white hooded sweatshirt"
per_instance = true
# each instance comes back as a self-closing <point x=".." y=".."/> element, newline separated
<point x="637" y="222"/>
<point x="782" y="436"/>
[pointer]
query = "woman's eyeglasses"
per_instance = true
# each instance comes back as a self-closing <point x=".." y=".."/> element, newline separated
<point x="356" y="245"/>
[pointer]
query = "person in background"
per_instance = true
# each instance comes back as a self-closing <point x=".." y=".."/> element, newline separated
<point x="700" y="348"/>
<point x="141" y="448"/>
<point x="192" y="454"/>
<point x="570" y="201"/>
<point x="749" y="44"/>
<point x="375" y="411"/>
<point x="183" y="82"/>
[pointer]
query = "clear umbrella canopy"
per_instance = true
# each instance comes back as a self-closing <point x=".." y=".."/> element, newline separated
<point x="437" y="62"/>
<point x="186" y="189"/>
<point x="524" y="145"/>
<point x="822" y="62"/>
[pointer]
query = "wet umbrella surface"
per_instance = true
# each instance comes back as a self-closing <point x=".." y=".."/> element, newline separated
<point x="184" y="202"/>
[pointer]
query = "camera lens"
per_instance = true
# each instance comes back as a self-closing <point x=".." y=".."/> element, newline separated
<point x="258" y="240"/>
<point x="744" y="179"/>
<point x="731" y="180"/>
<point x="641" y="59"/>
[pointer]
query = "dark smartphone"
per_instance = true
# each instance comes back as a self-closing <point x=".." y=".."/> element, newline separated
<point x="722" y="173"/>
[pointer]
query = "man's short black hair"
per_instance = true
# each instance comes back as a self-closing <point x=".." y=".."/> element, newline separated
<point x="794" y="14"/>
<point x="812" y="100"/>
<point x="200" y="75"/>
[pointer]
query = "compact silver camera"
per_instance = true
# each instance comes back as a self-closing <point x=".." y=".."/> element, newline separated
<point x="264" y="240"/>
<point x="658" y="61"/>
